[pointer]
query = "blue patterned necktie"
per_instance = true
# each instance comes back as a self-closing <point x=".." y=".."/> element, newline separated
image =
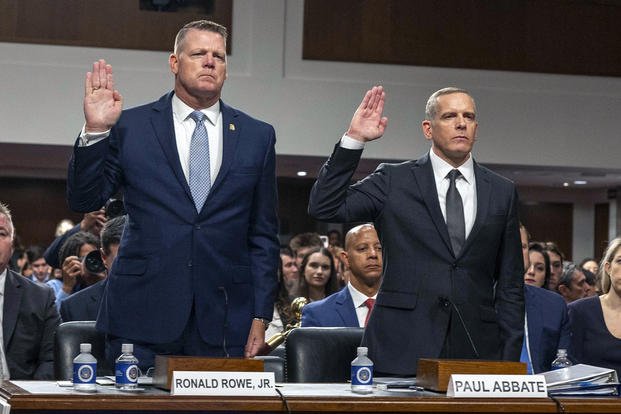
<point x="200" y="170"/>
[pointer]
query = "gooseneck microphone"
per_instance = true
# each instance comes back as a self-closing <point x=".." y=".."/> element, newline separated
<point x="446" y="302"/>
<point x="226" y="317"/>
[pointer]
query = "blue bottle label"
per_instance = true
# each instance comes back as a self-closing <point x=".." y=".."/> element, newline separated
<point x="126" y="373"/>
<point x="362" y="375"/>
<point x="84" y="373"/>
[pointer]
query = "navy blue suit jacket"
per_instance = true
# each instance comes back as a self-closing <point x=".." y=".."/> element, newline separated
<point x="422" y="275"/>
<point x="29" y="321"/>
<point x="221" y="261"/>
<point x="335" y="310"/>
<point x="84" y="304"/>
<point x="548" y="326"/>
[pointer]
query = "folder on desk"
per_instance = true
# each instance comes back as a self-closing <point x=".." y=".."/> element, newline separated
<point x="582" y="379"/>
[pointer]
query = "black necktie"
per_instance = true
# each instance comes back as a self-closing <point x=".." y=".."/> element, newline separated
<point x="455" y="214"/>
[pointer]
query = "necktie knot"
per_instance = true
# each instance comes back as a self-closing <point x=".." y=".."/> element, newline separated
<point x="198" y="116"/>
<point x="453" y="175"/>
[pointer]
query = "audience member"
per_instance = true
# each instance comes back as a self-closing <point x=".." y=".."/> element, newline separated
<point x="538" y="271"/>
<point x="84" y="304"/>
<point x="592" y="285"/>
<point x="572" y="284"/>
<point x="283" y="316"/>
<point x="29" y="317"/>
<point x="589" y="264"/>
<point x="318" y="275"/>
<point x="289" y="272"/>
<point x="595" y="321"/>
<point x="546" y="321"/>
<point x="334" y="238"/>
<point x="40" y="269"/>
<point x="74" y="275"/>
<point x="556" y="264"/>
<point x="352" y="305"/>
<point x="303" y="243"/>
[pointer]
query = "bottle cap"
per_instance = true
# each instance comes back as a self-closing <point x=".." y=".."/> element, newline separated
<point x="85" y="348"/>
<point x="363" y="350"/>
<point x="562" y="351"/>
<point x="127" y="348"/>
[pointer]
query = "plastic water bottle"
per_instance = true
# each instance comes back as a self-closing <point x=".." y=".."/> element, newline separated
<point x="362" y="372"/>
<point x="85" y="370"/>
<point x="126" y="369"/>
<point x="561" y="360"/>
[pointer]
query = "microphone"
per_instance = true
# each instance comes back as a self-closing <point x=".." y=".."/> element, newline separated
<point x="226" y="316"/>
<point x="445" y="303"/>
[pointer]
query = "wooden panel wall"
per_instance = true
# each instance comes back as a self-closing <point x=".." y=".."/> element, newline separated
<point x="600" y="239"/>
<point x="111" y="23"/>
<point x="550" y="222"/>
<point x="551" y="36"/>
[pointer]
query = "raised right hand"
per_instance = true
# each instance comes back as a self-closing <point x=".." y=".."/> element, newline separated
<point x="102" y="103"/>
<point x="368" y="123"/>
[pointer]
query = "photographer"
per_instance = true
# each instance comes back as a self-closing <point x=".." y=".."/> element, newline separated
<point x="75" y="276"/>
<point x="84" y="305"/>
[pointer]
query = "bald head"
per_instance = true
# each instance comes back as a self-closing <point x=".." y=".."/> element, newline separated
<point x="355" y="233"/>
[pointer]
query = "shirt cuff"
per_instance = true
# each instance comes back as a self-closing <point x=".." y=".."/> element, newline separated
<point x="90" y="138"/>
<point x="350" y="143"/>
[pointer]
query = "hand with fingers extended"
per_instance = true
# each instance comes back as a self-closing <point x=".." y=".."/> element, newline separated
<point x="368" y="122"/>
<point x="102" y="103"/>
<point x="94" y="221"/>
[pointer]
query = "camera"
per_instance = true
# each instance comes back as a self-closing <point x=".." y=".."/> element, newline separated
<point x="114" y="208"/>
<point x="94" y="263"/>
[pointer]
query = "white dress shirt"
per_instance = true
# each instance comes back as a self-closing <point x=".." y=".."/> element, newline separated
<point x="359" y="298"/>
<point x="4" y="373"/>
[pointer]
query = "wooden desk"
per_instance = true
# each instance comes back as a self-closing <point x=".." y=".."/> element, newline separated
<point x="43" y="396"/>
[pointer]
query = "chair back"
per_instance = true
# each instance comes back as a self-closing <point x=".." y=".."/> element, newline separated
<point x="321" y="354"/>
<point x="69" y="336"/>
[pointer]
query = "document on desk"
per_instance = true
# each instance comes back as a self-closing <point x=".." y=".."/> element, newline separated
<point x="582" y="379"/>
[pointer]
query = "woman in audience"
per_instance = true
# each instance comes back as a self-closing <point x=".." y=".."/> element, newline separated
<point x="556" y="264"/>
<point x="596" y="320"/>
<point x="538" y="274"/>
<point x="283" y="315"/>
<point x="319" y="275"/>
<point x="589" y="264"/>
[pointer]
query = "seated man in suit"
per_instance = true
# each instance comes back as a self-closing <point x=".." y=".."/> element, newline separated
<point x="352" y="305"/>
<point x="546" y="321"/>
<point x="84" y="305"/>
<point x="29" y="317"/>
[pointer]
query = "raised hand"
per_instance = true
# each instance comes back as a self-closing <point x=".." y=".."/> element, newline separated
<point x="368" y="123"/>
<point x="102" y="103"/>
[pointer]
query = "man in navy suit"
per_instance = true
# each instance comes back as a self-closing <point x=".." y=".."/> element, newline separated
<point x="453" y="272"/>
<point x="196" y="268"/>
<point x="84" y="304"/>
<point x="352" y="305"/>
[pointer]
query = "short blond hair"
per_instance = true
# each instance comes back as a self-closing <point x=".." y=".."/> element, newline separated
<point x="4" y="210"/>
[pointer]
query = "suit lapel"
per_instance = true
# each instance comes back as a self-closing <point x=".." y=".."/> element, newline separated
<point x="230" y="135"/>
<point x="162" y="122"/>
<point x="13" y="293"/>
<point x="345" y="308"/>
<point x="423" y="173"/>
<point x="484" y="191"/>
<point x="533" y="316"/>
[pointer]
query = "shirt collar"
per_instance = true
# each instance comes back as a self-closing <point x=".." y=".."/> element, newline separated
<point x="356" y="296"/>
<point x="441" y="168"/>
<point x="182" y="111"/>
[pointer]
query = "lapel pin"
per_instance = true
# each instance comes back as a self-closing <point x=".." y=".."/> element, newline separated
<point x="232" y="127"/>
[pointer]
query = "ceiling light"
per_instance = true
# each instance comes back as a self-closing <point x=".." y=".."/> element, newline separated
<point x="565" y="184"/>
<point x="301" y="173"/>
<point x="580" y="182"/>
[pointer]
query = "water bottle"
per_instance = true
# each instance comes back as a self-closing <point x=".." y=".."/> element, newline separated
<point x="85" y="370"/>
<point x="561" y="360"/>
<point x="362" y="372"/>
<point x="126" y="369"/>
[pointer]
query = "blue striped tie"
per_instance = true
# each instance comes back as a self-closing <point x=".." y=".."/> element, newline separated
<point x="200" y="170"/>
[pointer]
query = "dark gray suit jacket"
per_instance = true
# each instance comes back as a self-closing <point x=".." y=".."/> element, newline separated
<point x="423" y="279"/>
<point x="84" y="304"/>
<point x="29" y="321"/>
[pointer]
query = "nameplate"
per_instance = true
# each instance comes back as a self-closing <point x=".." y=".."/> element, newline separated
<point x="222" y="383"/>
<point x="497" y="386"/>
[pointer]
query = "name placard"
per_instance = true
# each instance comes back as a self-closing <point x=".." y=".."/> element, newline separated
<point x="499" y="386"/>
<point x="222" y="383"/>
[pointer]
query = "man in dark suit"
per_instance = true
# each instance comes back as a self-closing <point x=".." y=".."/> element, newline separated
<point x="453" y="272"/>
<point x="196" y="269"/>
<point x="84" y="304"/>
<point x="29" y="317"/>
<point x="352" y="305"/>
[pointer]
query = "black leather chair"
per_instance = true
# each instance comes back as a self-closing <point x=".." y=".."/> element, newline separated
<point x="69" y="336"/>
<point x="321" y="354"/>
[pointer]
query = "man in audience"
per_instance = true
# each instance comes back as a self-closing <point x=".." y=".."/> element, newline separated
<point x="29" y="317"/>
<point x="546" y="321"/>
<point x="573" y="284"/>
<point x="290" y="272"/>
<point x="40" y="269"/>
<point x="352" y="305"/>
<point x="84" y="305"/>
<point x="75" y="275"/>
<point x="303" y="243"/>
